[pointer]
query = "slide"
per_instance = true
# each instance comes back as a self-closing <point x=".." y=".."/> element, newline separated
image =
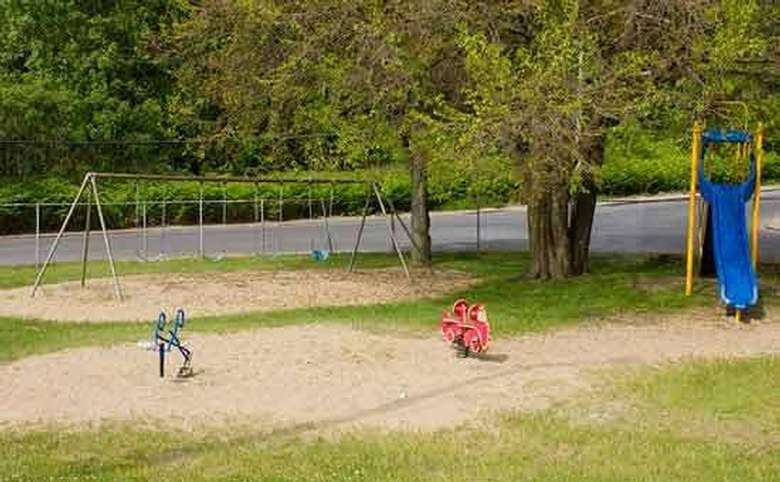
<point x="731" y="247"/>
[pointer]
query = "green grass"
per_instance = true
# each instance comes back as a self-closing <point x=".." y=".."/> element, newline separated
<point x="515" y="305"/>
<point x="698" y="421"/>
<point x="17" y="276"/>
<point x="545" y="446"/>
<point x="737" y="396"/>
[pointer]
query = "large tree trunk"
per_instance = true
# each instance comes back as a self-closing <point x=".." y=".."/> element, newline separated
<point x="421" y="221"/>
<point x="559" y="225"/>
<point x="548" y="234"/>
<point x="581" y="223"/>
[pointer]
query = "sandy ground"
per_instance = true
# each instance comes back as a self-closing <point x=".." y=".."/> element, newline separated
<point x="320" y="377"/>
<point x="222" y="293"/>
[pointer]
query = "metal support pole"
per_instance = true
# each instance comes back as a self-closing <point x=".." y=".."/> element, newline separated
<point x="479" y="227"/>
<point x="144" y="233"/>
<point x="392" y="227"/>
<point x="353" y="258"/>
<point x="695" y="154"/>
<point x="161" y="352"/>
<point x="390" y="231"/>
<point x="756" y="217"/>
<point x="262" y="225"/>
<point x="256" y="219"/>
<point x="201" y="247"/>
<point x="277" y="244"/>
<point x="56" y="242"/>
<point x="281" y="202"/>
<point x="163" y="224"/>
<point x="37" y="236"/>
<point x="404" y="226"/>
<point x="117" y="289"/>
<point x="138" y="216"/>
<point x="311" y="209"/>
<point x="85" y="248"/>
<point x="224" y="205"/>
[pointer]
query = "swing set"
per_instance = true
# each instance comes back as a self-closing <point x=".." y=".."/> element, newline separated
<point x="89" y="190"/>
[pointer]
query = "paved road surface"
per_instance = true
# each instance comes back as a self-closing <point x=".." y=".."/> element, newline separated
<point x="655" y="227"/>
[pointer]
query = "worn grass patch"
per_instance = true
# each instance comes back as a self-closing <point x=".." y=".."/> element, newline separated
<point x="516" y="448"/>
<point x="617" y="284"/>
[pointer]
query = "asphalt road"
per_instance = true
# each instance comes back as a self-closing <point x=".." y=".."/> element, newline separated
<point x="652" y="227"/>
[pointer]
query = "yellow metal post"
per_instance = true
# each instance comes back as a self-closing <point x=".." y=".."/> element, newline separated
<point x="756" y="218"/>
<point x="695" y="153"/>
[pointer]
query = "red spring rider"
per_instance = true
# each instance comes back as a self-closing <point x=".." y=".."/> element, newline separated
<point x="466" y="327"/>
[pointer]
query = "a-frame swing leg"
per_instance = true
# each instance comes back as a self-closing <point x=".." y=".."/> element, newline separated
<point x="353" y="258"/>
<point x="390" y="232"/>
<point x="117" y="289"/>
<point x="403" y="225"/>
<point x="85" y="248"/>
<point x="56" y="242"/>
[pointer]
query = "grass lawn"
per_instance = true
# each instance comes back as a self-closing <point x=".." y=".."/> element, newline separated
<point x="549" y="446"/>
<point x="615" y="285"/>
<point x="695" y="421"/>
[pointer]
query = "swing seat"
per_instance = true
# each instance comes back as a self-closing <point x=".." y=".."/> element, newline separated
<point x="320" y="254"/>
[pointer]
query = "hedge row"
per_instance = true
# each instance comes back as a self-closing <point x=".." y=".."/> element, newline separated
<point x="124" y="200"/>
<point x="667" y="170"/>
<point x="648" y="167"/>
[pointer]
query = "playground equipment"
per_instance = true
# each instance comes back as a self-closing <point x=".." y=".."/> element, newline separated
<point x="322" y="247"/>
<point x="166" y="342"/>
<point x="89" y="189"/>
<point x="467" y="327"/>
<point x="722" y="226"/>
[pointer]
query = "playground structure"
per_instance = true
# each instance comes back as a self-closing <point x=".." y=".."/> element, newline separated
<point x="467" y="327"/>
<point x="89" y="190"/>
<point x="166" y="342"/>
<point x="717" y="223"/>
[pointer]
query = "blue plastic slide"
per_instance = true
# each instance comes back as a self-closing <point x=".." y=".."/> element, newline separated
<point x="731" y="249"/>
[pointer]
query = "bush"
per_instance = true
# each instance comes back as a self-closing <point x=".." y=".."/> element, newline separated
<point x="642" y="165"/>
<point x="646" y="165"/>
<point x="119" y="199"/>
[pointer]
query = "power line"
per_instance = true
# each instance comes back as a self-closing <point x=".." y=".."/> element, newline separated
<point x="95" y="143"/>
<point x="121" y="142"/>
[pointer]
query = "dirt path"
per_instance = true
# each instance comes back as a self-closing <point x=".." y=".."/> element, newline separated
<point x="223" y="293"/>
<point x="338" y="377"/>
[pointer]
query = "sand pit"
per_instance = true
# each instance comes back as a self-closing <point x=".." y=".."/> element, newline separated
<point x="328" y="377"/>
<point x="208" y="294"/>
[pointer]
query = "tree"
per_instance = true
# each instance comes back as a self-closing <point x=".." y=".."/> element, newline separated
<point x="85" y="71"/>
<point x="560" y="74"/>
<point x="325" y="83"/>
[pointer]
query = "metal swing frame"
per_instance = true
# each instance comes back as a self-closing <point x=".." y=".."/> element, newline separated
<point x="89" y="188"/>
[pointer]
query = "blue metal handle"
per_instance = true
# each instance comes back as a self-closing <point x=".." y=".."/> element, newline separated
<point x="158" y="328"/>
<point x="715" y="136"/>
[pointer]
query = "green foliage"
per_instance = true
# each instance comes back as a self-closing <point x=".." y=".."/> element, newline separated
<point x="638" y="161"/>
<point x="485" y="93"/>
<point x="83" y="71"/>
<point x="449" y="188"/>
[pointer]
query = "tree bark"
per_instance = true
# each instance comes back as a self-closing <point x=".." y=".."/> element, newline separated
<point x="421" y="221"/>
<point x="548" y="235"/>
<point x="559" y="225"/>
<point x="582" y="211"/>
